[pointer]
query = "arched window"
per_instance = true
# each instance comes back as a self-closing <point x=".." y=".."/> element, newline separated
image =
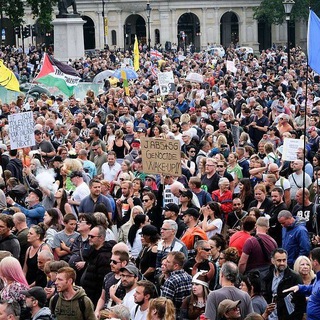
<point x="114" y="37"/>
<point x="157" y="36"/>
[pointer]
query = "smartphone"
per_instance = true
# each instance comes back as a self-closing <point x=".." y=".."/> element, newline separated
<point x="274" y="298"/>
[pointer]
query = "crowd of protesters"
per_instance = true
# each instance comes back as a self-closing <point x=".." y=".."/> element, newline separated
<point x="86" y="233"/>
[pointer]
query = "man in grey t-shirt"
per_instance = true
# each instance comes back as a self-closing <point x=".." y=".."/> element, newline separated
<point x="229" y="273"/>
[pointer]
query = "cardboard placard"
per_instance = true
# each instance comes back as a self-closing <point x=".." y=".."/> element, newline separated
<point x="21" y="130"/>
<point x="161" y="156"/>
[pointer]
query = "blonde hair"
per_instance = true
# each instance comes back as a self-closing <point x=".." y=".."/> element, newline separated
<point x="185" y="118"/>
<point x="297" y="263"/>
<point x="164" y="307"/>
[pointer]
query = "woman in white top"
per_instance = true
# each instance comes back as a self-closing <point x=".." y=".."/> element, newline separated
<point x="134" y="237"/>
<point x="212" y="222"/>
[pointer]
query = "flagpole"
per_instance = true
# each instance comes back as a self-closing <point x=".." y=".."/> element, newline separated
<point x="305" y="126"/>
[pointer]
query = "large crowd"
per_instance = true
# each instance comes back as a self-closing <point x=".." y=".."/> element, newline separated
<point x="87" y="234"/>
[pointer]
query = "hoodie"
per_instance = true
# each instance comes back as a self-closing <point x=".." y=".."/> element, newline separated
<point x="43" y="314"/>
<point x="70" y="309"/>
<point x="295" y="240"/>
<point x="15" y="166"/>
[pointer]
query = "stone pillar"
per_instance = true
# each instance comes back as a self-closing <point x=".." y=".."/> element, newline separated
<point x="203" y="29"/>
<point x="68" y="38"/>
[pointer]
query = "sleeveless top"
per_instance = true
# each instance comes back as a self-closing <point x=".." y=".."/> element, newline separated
<point x="119" y="150"/>
<point x="32" y="264"/>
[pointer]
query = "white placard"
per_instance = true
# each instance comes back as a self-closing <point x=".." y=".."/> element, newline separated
<point x="231" y="66"/>
<point x="21" y="130"/>
<point x="290" y="148"/>
<point x="166" y="82"/>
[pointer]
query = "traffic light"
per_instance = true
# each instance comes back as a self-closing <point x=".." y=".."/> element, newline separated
<point x="26" y="31"/>
<point x="17" y="31"/>
<point x="34" y="30"/>
<point x="197" y="28"/>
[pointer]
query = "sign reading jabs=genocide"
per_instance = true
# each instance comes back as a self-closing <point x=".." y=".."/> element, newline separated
<point x="161" y="156"/>
<point x="21" y="130"/>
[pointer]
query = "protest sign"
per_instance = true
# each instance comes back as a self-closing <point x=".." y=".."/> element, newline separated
<point x="290" y="148"/>
<point x="161" y="156"/>
<point x="21" y="130"/>
<point x="166" y="82"/>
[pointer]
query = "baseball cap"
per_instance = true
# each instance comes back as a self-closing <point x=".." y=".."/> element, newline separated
<point x="140" y="129"/>
<point x="151" y="176"/>
<point x="147" y="188"/>
<point x="135" y="143"/>
<point x="312" y="128"/>
<point x="172" y="207"/>
<point x="37" y="132"/>
<point x="227" y="305"/>
<point x="192" y="212"/>
<point x="131" y="269"/>
<point x="149" y="230"/>
<point x="36" y="292"/>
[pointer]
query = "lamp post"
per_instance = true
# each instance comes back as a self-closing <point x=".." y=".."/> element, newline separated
<point x="104" y="25"/>
<point x="288" y="4"/>
<point x="148" y="10"/>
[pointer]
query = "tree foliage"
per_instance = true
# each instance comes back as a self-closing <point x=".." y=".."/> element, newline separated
<point x="42" y="9"/>
<point x="272" y="11"/>
<point x="14" y="10"/>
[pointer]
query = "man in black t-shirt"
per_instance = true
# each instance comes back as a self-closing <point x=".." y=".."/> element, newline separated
<point x="210" y="180"/>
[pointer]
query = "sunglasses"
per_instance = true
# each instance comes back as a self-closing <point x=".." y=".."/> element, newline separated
<point x="114" y="261"/>
<point x="206" y="249"/>
<point x="145" y="200"/>
<point x="91" y="236"/>
<point x="149" y="179"/>
<point x="219" y="166"/>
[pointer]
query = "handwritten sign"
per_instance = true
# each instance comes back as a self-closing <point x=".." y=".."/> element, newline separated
<point x="21" y="129"/>
<point x="290" y="148"/>
<point x="161" y="156"/>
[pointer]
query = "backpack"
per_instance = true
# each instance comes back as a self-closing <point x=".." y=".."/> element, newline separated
<point x="82" y="305"/>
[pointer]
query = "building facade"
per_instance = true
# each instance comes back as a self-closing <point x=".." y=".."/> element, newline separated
<point x="173" y="23"/>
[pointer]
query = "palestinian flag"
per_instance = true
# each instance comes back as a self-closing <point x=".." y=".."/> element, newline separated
<point x="54" y="73"/>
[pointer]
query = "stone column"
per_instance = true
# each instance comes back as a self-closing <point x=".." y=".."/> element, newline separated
<point x="68" y="38"/>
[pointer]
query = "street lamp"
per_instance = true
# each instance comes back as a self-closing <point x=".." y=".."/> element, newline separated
<point x="148" y="10"/>
<point x="104" y="25"/>
<point x="288" y="4"/>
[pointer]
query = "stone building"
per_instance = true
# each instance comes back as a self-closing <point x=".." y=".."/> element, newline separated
<point x="184" y="23"/>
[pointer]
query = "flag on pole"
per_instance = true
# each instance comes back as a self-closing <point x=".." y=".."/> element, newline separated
<point x="54" y="73"/>
<point x="8" y="79"/>
<point x="136" y="54"/>
<point x="125" y="82"/>
<point x="313" y="42"/>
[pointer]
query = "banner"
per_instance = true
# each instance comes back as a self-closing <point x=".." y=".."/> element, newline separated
<point x="161" y="156"/>
<point x="21" y="130"/>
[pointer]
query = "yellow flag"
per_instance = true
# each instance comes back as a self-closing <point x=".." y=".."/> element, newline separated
<point x="136" y="54"/>
<point x="8" y="79"/>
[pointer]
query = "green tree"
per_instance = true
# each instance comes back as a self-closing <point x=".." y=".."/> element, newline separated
<point x="13" y="9"/>
<point x="272" y="11"/>
<point x="43" y="9"/>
